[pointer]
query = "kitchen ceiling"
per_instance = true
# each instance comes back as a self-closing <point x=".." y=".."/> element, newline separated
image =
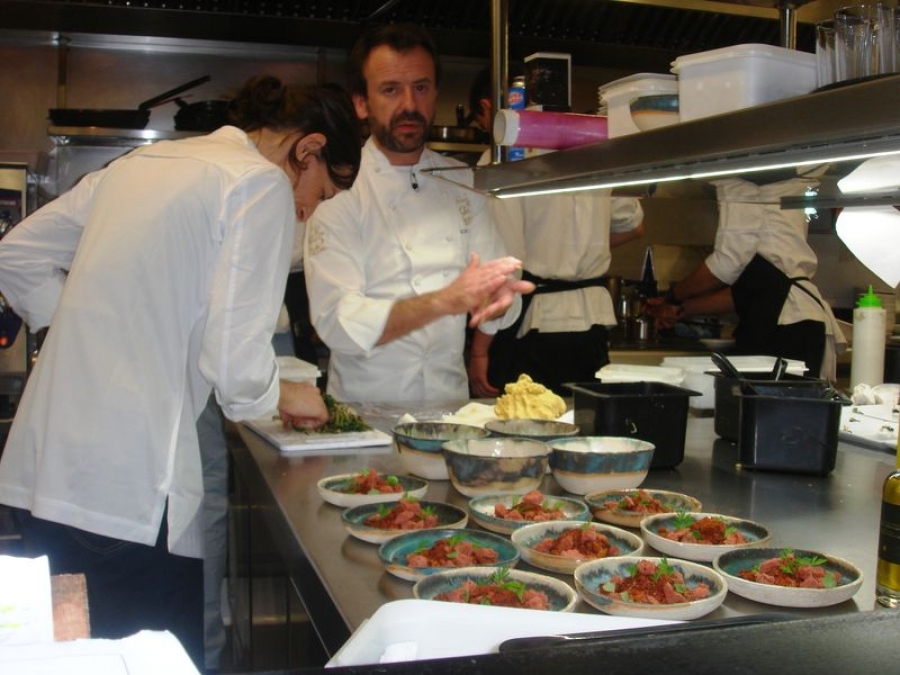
<point x="639" y="35"/>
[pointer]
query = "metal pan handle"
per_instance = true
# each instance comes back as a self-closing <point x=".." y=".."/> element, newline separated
<point x="156" y="100"/>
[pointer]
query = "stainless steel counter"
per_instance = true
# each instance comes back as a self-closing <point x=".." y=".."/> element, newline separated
<point x="342" y="582"/>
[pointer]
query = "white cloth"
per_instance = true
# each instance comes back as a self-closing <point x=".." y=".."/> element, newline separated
<point x="752" y="221"/>
<point x="566" y="236"/>
<point x="177" y="256"/>
<point x="384" y="240"/>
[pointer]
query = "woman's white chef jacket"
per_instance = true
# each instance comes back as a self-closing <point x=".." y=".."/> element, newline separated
<point x="752" y="221"/>
<point x="398" y="232"/>
<point x="177" y="256"/>
<point x="565" y="236"/>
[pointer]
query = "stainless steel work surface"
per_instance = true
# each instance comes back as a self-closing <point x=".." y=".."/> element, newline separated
<point x="343" y="582"/>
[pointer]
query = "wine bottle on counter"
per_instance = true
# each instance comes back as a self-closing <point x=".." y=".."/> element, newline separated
<point x="887" y="581"/>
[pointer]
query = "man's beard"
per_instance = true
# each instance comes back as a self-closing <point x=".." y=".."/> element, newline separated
<point x="390" y="139"/>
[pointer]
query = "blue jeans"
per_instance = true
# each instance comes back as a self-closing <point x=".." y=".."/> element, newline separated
<point x="131" y="587"/>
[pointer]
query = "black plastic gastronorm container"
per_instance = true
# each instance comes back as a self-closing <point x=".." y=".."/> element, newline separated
<point x="728" y="402"/>
<point x="650" y="411"/>
<point x="789" y="429"/>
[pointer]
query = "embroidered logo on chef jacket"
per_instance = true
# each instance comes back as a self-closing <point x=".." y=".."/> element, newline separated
<point x="465" y="210"/>
<point x="315" y="237"/>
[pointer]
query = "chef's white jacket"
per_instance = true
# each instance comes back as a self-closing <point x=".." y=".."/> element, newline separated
<point x="397" y="233"/>
<point x="752" y="221"/>
<point x="566" y="236"/>
<point x="160" y="276"/>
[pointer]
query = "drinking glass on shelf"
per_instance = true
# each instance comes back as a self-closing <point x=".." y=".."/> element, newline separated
<point x="825" y="57"/>
<point x="864" y="41"/>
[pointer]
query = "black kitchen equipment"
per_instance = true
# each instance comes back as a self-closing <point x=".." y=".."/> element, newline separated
<point x="728" y="369"/>
<point x="202" y="115"/>
<point x="650" y="411"/>
<point x="787" y="428"/>
<point x="117" y="118"/>
<point x="728" y="396"/>
<point x="440" y="134"/>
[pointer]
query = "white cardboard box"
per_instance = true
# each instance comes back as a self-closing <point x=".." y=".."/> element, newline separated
<point x="732" y="78"/>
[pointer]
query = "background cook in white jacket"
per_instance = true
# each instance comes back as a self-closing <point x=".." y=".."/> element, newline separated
<point x="389" y="263"/>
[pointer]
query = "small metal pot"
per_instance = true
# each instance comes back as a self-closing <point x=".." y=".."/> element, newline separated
<point x="201" y="116"/>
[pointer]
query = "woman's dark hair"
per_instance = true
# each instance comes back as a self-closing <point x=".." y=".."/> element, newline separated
<point x="401" y="37"/>
<point x="264" y="102"/>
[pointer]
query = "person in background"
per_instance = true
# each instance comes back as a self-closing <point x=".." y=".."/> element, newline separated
<point x="161" y="277"/>
<point x="394" y="264"/>
<point x="761" y="268"/>
<point x="564" y="242"/>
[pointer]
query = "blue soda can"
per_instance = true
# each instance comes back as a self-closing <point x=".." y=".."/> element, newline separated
<point x="516" y="101"/>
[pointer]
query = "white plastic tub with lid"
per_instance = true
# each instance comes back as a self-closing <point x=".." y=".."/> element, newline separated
<point x="731" y="78"/>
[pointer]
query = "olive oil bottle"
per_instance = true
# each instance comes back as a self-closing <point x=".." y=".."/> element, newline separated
<point x="887" y="584"/>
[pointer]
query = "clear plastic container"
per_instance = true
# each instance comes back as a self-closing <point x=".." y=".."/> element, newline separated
<point x="731" y="78"/>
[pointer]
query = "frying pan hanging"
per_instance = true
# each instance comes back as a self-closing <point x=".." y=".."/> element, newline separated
<point x="117" y="119"/>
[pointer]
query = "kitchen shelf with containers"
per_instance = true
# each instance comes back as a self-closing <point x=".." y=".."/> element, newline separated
<point x="742" y="110"/>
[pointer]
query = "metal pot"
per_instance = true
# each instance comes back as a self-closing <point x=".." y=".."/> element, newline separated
<point x="201" y="116"/>
<point x="117" y="118"/>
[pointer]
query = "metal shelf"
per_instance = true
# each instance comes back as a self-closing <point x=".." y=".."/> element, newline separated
<point x="843" y="124"/>
<point x="105" y="136"/>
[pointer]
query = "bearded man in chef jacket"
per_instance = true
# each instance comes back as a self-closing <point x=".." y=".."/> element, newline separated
<point x="395" y="264"/>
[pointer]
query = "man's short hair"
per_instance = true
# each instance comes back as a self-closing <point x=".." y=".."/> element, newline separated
<point x="402" y="37"/>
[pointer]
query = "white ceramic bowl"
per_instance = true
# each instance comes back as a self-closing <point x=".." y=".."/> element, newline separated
<point x="528" y="537"/>
<point x="591" y="575"/>
<point x="496" y="465"/>
<point x="333" y="490"/>
<point x="419" y="445"/>
<point x="482" y="510"/>
<point x="584" y="464"/>
<point x="753" y="533"/>
<point x="730" y="564"/>
<point x="354" y="520"/>
<point x="562" y="597"/>
<point x="604" y="505"/>
<point x="538" y="430"/>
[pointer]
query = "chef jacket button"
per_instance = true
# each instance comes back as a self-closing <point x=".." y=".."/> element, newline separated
<point x="408" y="247"/>
<point x="446" y="274"/>
<point x="417" y="282"/>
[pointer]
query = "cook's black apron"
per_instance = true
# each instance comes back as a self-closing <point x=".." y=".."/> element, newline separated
<point x="549" y="358"/>
<point x="759" y="295"/>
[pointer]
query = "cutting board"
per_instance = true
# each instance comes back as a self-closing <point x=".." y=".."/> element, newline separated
<point x="873" y="426"/>
<point x="291" y="442"/>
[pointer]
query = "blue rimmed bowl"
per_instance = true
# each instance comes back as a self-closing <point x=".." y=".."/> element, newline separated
<point x="496" y="465"/>
<point x="591" y="576"/>
<point x="654" y="111"/>
<point x="561" y="596"/>
<point x="585" y="464"/>
<point x="419" y="445"/>
<point x="529" y="537"/>
<point x="395" y="553"/>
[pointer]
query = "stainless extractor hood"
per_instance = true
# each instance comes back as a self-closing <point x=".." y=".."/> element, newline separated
<point x="839" y="125"/>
